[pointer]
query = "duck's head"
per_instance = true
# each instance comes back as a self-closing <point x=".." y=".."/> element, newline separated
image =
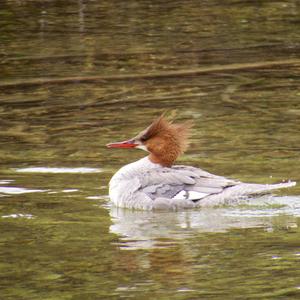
<point x="164" y="140"/>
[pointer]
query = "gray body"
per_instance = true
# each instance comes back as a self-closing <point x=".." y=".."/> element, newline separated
<point x="149" y="186"/>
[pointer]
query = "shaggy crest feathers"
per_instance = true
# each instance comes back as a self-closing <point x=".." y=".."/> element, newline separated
<point x="165" y="140"/>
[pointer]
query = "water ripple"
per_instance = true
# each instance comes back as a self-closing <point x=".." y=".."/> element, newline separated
<point x="17" y="190"/>
<point x="58" y="170"/>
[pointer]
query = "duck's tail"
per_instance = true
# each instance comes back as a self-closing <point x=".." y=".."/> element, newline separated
<point x="242" y="191"/>
<point x="254" y="188"/>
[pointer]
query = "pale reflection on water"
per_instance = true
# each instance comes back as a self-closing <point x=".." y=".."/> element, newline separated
<point x="145" y="229"/>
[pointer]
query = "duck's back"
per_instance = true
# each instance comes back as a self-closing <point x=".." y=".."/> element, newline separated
<point x="146" y="185"/>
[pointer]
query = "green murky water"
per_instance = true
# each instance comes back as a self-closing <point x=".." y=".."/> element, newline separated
<point x="60" y="238"/>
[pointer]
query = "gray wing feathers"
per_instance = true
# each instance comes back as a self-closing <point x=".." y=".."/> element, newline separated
<point x="197" y="171"/>
<point x="163" y="190"/>
<point x="168" y="182"/>
<point x="167" y="176"/>
<point x="162" y="185"/>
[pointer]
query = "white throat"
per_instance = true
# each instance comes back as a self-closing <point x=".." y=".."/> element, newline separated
<point x="142" y="147"/>
<point x="134" y="169"/>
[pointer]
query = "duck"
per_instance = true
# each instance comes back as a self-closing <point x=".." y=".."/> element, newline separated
<point x="156" y="183"/>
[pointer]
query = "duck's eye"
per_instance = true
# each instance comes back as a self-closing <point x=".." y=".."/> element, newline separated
<point x="143" y="139"/>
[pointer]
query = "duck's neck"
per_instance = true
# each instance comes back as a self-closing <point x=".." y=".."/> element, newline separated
<point x="135" y="168"/>
<point x="141" y="165"/>
<point x="164" y="161"/>
<point x="154" y="159"/>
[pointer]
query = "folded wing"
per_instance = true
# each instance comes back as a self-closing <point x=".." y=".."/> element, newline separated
<point x="182" y="183"/>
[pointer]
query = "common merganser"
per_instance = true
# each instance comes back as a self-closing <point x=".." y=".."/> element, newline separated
<point x="153" y="182"/>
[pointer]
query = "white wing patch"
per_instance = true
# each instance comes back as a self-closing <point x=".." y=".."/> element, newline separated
<point x="189" y="195"/>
